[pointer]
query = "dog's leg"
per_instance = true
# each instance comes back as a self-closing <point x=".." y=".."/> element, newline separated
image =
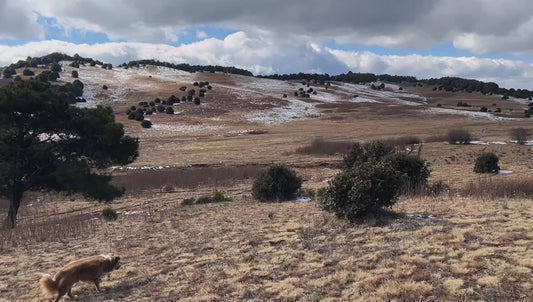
<point x="69" y="293"/>
<point x="60" y="294"/>
<point x="97" y="283"/>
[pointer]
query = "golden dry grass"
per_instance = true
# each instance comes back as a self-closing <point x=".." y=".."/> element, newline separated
<point x="244" y="250"/>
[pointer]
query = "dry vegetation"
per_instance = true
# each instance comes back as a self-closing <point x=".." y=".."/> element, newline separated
<point x="473" y="244"/>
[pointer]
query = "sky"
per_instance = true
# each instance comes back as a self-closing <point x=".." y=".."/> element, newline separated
<point x="488" y="40"/>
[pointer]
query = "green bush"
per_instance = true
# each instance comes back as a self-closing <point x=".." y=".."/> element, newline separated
<point x="169" y="110"/>
<point x="414" y="169"/>
<point x="28" y="72"/>
<point x="372" y="177"/>
<point x="146" y="124"/>
<point x="197" y="101"/>
<point x="188" y="201"/>
<point x="361" y="153"/>
<point x="109" y="214"/>
<point x="75" y="74"/>
<point x="363" y="189"/>
<point x="278" y="183"/>
<point x="487" y="163"/>
<point x="139" y="117"/>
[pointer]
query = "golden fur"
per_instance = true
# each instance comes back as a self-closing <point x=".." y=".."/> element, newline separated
<point x="91" y="269"/>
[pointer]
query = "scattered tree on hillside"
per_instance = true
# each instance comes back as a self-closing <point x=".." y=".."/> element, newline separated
<point x="521" y="135"/>
<point x="46" y="144"/>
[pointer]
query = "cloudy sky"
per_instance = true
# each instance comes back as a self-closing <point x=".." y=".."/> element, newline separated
<point x="490" y="40"/>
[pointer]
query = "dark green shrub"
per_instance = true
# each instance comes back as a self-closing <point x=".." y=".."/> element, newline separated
<point x="157" y="100"/>
<point x="104" y="87"/>
<point x="28" y="72"/>
<point x="483" y="109"/>
<point x="278" y="183"/>
<point x="55" y="67"/>
<point x="487" y="163"/>
<point x="169" y="110"/>
<point x="75" y="74"/>
<point x="363" y="189"/>
<point x="197" y="101"/>
<point x="160" y="108"/>
<point x="109" y="214"/>
<point x="149" y="111"/>
<point x="188" y="201"/>
<point x="414" y="169"/>
<point x="146" y="124"/>
<point x="220" y="197"/>
<point x="362" y="153"/>
<point x="204" y="200"/>
<point x="131" y="116"/>
<point x="139" y="117"/>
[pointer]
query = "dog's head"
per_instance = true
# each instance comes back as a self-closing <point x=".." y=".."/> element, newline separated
<point x="113" y="262"/>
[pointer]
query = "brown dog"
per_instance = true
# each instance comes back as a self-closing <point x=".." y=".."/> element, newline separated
<point x="92" y="268"/>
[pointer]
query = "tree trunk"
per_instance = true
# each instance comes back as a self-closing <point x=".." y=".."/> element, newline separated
<point x="14" y="204"/>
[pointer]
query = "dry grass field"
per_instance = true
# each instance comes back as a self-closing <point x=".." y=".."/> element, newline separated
<point x="460" y="246"/>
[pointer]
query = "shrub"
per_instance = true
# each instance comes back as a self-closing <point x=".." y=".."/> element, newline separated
<point x="197" y="101"/>
<point x="146" y="124"/>
<point x="75" y="74"/>
<point x="487" y="163"/>
<point x="131" y="116"/>
<point x="160" y="108"/>
<point x="104" y="87"/>
<point x="363" y="153"/>
<point x="363" y="189"/>
<point x="183" y="88"/>
<point x="55" y="67"/>
<point x="413" y="168"/>
<point x="149" y="111"/>
<point x="139" y="117"/>
<point x="278" y="183"/>
<point x="28" y="72"/>
<point x="483" y="109"/>
<point x="109" y="214"/>
<point x="169" y="110"/>
<point x="521" y="135"/>
<point x="459" y="136"/>
<point x="188" y="201"/>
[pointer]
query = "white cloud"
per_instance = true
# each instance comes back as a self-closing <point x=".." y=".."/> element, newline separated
<point x="18" y="21"/>
<point x="200" y="34"/>
<point x="260" y="56"/>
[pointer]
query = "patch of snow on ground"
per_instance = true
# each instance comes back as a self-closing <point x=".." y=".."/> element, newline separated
<point x="132" y="213"/>
<point x="478" y="143"/>
<point x="185" y="128"/>
<point x="473" y="114"/>
<point x="325" y="97"/>
<point x="393" y="96"/>
<point x="363" y="100"/>
<point x="505" y="172"/>
<point x="267" y="85"/>
<point x="295" y="110"/>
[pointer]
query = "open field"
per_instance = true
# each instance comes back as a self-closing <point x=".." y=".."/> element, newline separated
<point x="446" y="248"/>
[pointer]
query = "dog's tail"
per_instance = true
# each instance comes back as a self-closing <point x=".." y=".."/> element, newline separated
<point x="48" y="285"/>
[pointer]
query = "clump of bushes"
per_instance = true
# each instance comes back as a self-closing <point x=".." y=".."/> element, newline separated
<point x="216" y="198"/>
<point x="104" y="87"/>
<point x="372" y="177"/>
<point x="459" y="136"/>
<point x="278" y="183"/>
<point x="28" y="72"/>
<point x="169" y="110"/>
<point x="487" y="162"/>
<point x="197" y="101"/>
<point x="75" y="74"/>
<point x="109" y="214"/>
<point x="146" y="124"/>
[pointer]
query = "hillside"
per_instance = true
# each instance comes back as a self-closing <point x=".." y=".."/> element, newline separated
<point x="451" y="247"/>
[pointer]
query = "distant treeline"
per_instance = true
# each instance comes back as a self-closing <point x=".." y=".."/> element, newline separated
<point x="189" y="68"/>
<point x="445" y="83"/>
<point x="52" y="58"/>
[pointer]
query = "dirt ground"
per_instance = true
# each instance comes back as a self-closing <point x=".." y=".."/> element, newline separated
<point x="447" y="248"/>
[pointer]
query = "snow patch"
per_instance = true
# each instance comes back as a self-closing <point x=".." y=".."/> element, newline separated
<point x="505" y="172"/>
<point x="186" y="128"/>
<point x="295" y="110"/>
<point x="363" y="100"/>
